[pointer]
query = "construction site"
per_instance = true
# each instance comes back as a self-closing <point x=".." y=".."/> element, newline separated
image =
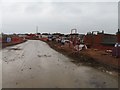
<point x="61" y="44"/>
<point x="36" y="60"/>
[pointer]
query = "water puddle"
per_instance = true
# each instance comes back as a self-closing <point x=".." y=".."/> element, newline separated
<point x="44" y="55"/>
<point x="14" y="49"/>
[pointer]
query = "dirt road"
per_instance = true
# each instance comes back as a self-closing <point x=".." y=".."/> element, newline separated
<point x="34" y="64"/>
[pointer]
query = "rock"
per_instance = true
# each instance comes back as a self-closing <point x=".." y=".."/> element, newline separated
<point x="95" y="49"/>
<point x="72" y="60"/>
<point x="16" y="83"/>
<point x="103" y="70"/>
<point x="107" y="72"/>
<point x="104" y="82"/>
<point x="45" y="55"/>
<point x="110" y="72"/>
<point x="39" y="55"/>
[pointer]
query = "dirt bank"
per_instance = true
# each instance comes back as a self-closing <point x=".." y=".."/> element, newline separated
<point x="12" y="43"/>
<point x="84" y="58"/>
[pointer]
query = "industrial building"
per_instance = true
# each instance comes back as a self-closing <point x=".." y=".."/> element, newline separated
<point x="100" y="40"/>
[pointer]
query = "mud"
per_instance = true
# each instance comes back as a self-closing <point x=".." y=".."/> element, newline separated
<point x="14" y="49"/>
<point x="44" y="55"/>
<point x="12" y="43"/>
<point x="81" y="58"/>
<point x="51" y="70"/>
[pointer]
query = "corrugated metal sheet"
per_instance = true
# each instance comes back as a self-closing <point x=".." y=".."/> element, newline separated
<point x="100" y="41"/>
<point x="109" y="39"/>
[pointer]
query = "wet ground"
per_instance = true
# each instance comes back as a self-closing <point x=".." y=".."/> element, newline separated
<point x="34" y="64"/>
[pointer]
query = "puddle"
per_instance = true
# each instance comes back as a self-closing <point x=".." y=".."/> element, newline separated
<point x="9" y="60"/>
<point x="44" y="55"/>
<point x="15" y="49"/>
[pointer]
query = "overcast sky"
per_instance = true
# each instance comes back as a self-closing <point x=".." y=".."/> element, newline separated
<point x="23" y="16"/>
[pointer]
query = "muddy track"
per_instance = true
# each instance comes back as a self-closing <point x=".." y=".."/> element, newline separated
<point x="36" y="65"/>
<point x="81" y="58"/>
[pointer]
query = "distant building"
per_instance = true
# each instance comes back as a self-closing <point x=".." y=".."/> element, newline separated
<point x="31" y="36"/>
<point x="57" y="35"/>
<point x="45" y="35"/>
<point x="38" y="35"/>
<point x="100" y="40"/>
<point x="22" y="35"/>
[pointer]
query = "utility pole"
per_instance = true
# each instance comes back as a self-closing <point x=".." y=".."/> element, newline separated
<point x="36" y="30"/>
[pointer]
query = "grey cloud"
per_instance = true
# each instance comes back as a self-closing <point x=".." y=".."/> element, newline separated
<point x="60" y="17"/>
